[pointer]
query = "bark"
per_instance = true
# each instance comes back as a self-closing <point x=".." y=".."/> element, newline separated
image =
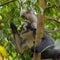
<point x="40" y="30"/>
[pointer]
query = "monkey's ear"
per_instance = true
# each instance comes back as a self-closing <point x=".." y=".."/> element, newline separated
<point x="32" y="9"/>
<point x="14" y="28"/>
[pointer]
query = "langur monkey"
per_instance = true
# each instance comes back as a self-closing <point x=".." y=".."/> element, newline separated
<point x="47" y="45"/>
<point x="28" y="32"/>
<point x="30" y="16"/>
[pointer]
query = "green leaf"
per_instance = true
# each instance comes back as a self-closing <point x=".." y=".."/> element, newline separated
<point x="4" y="52"/>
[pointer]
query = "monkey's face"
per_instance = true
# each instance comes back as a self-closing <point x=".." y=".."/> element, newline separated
<point x="26" y="27"/>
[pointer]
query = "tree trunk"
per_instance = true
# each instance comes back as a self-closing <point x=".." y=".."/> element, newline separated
<point x="40" y="30"/>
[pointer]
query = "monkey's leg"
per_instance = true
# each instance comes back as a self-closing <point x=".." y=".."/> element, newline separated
<point x="51" y="53"/>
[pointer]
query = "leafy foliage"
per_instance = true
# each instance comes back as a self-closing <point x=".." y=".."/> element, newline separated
<point x="10" y="12"/>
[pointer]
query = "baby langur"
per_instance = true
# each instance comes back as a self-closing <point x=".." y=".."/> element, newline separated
<point x="29" y="15"/>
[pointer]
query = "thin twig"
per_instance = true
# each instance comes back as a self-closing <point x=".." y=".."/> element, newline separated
<point x="7" y="2"/>
<point x="53" y="6"/>
<point x="52" y="31"/>
<point x="52" y="18"/>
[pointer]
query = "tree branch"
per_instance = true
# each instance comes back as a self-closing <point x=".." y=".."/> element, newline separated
<point x="52" y="18"/>
<point x="7" y="2"/>
<point x="52" y="31"/>
<point x="40" y="30"/>
<point x="53" y="6"/>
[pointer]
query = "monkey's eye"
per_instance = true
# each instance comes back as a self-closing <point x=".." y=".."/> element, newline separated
<point x="24" y="16"/>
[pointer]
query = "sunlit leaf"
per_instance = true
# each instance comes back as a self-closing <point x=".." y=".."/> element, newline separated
<point x="3" y="51"/>
<point x="1" y="58"/>
<point x="0" y="17"/>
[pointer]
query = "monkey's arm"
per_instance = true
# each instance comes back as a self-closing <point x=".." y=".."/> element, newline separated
<point x="20" y="43"/>
<point x="29" y="39"/>
<point x="17" y="38"/>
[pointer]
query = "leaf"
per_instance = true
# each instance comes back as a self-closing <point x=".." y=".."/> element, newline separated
<point x="4" y="52"/>
<point x="0" y="17"/>
<point x="1" y="58"/>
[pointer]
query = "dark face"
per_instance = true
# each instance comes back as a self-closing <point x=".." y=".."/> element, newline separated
<point x="23" y="16"/>
<point x="26" y="27"/>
